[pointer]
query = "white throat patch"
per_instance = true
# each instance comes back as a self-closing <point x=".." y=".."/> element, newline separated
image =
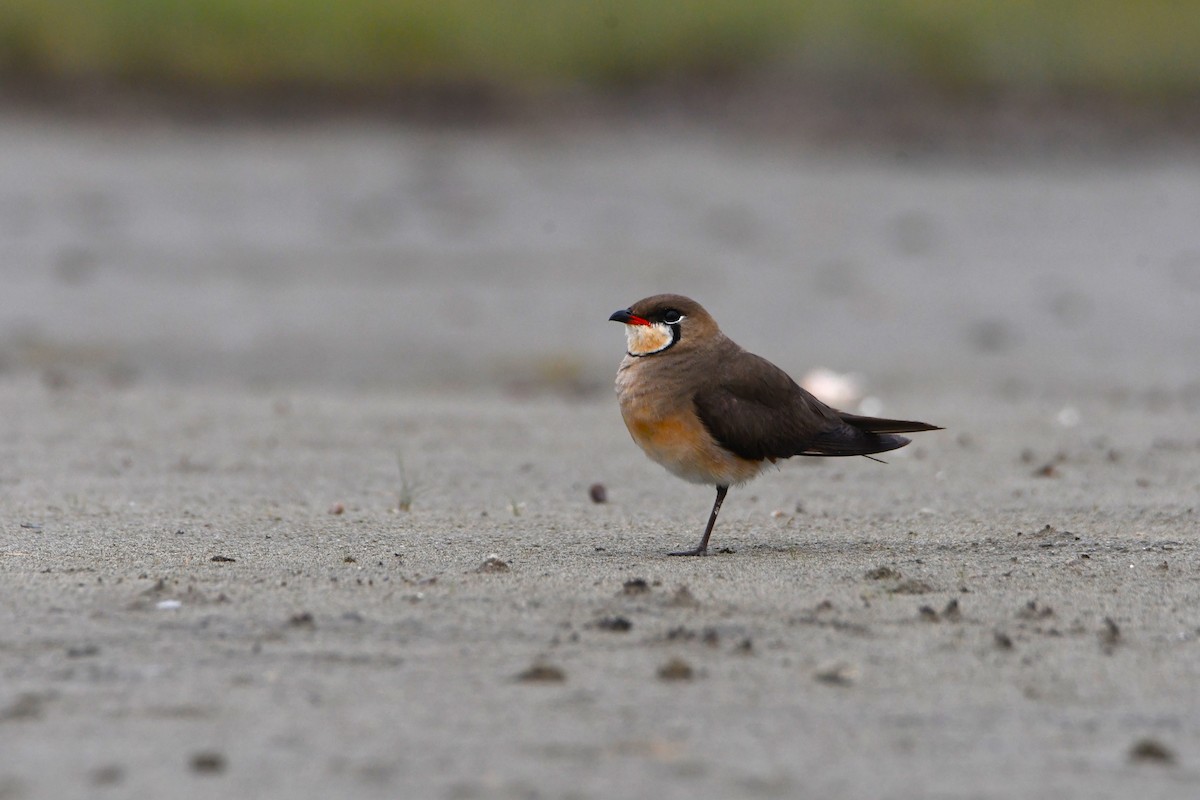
<point x="646" y="340"/>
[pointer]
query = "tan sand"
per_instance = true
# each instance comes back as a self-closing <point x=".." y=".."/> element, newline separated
<point x="206" y="356"/>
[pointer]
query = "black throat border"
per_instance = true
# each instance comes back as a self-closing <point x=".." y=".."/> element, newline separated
<point x="675" y="333"/>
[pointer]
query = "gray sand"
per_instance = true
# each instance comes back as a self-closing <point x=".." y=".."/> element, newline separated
<point x="212" y="340"/>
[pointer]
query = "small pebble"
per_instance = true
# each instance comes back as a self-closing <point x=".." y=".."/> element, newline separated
<point x="911" y="586"/>
<point x="676" y="670"/>
<point x="1110" y="636"/>
<point x="82" y="651"/>
<point x="542" y="673"/>
<point x="493" y="564"/>
<point x="952" y="611"/>
<point x="302" y="620"/>
<point x="614" y="624"/>
<point x="838" y="673"/>
<point x="209" y="763"/>
<point x="1151" y="750"/>
<point x="598" y="492"/>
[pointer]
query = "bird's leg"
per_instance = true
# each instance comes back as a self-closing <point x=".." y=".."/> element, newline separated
<point x="702" y="548"/>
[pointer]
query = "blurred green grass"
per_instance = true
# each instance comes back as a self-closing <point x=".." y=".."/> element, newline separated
<point x="1140" y="49"/>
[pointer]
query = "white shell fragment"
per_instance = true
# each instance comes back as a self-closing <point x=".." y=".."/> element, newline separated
<point x="838" y="389"/>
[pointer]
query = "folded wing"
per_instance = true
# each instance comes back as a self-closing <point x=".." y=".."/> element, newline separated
<point x="755" y="410"/>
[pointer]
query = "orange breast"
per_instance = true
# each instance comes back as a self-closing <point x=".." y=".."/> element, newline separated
<point x="681" y="443"/>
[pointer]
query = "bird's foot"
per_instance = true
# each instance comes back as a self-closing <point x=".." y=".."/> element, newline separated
<point x="698" y="551"/>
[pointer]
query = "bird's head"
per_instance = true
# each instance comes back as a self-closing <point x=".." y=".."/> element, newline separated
<point x="657" y="324"/>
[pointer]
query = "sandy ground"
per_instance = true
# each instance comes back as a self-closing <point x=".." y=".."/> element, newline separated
<point x="213" y="339"/>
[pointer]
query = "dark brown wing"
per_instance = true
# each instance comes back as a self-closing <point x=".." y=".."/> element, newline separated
<point x="752" y="408"/>
<point x="755" y="410"/>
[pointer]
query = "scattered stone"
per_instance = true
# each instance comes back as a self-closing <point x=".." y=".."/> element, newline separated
<point x="208" y="763"/>
<point x="223" y="559"/>
<point x="952" y="612"/>
<point x="711" y="637"/>
<point x="676" y="670"/>
<point x="349" y="560"/>
<point x="1003" y="640"/>
<point x="337" y="509"/>
<point x="1033" y="611"/>
<point x="168" y="605"/>
<point x="542" y="673"/>
<point x="680" y="634"/>
<point x="302" y="620"/>
<point x="838" y="673"/>
<point x="745" y="647"/>
<point x="635" y="586"/>
<point x="598" y="492"/>
<point x="882" y="573"/>
<point x="82" y="651"/>
<point x="911" y="586"/>
<point x="1151" y="750"/>
<point x="928" y="614"/>
<point x="27" y="705"/>
<point x="1110" y="636"/>
<point x="492" y="564"/>
<point x="614" y="624"/>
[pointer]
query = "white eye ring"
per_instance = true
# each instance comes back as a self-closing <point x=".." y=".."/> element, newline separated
<point x="678" y="318"/>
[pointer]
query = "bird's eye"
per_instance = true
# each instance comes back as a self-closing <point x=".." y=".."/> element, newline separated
<point x="671" y="316"/>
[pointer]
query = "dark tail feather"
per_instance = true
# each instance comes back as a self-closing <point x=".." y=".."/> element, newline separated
<point x="886" y="441"/>
<point x="847" y="441"/>
<point x="860" y="436"/>
<point x="877" y="425"/>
